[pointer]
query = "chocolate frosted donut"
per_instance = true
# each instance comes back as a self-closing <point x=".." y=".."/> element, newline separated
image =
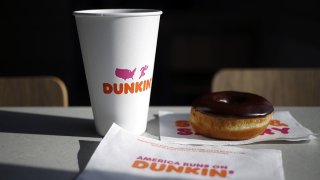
<point x="230" y="115"/>
<point x="231" y="103"/>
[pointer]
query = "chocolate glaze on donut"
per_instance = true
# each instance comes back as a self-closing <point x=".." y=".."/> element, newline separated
<point x="232" y="103"/>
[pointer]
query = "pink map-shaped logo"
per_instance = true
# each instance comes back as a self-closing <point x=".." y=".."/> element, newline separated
<point x="125" y="73"/>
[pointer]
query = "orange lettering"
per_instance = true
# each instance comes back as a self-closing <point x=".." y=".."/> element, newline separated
<point x="126" y="88"/>
<point x="277" y="123"/>
<point x="191" y="170"/>
<point x="144" y="85"/>
<point x="129" y="87"/>
<point x="182" y="123"/>
<point x="138" y="86"/>
<point x="140" y="164"/>
<point x="154" y="167"/>
<point x="178" y="169"/>
<point x="160" y="167"/>
<point x="204" y="172"/>
<point x="116" y="90"/>
<point x="214" y="172"/>
<point x="148" y="84"/>
<point x="107" y="88"/>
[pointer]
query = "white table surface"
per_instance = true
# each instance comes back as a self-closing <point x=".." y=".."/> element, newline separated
<point x="56" y="143"/>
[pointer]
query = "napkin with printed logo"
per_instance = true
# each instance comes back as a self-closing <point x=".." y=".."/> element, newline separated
<point x="175" y="128"/>
<point x="122" y="155"/>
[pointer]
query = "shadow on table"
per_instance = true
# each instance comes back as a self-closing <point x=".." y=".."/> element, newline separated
<point x="17" y="122"/>
<point x="24" y="172"/>
<point x="153" y="126"/>
<point x="86" y="150"/>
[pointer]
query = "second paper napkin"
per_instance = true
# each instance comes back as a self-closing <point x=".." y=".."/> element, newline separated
<point x="122" y="155"/>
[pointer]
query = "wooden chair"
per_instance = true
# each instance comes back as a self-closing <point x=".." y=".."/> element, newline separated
<point x="33" y="91"/>
<point x="283" y="87"/>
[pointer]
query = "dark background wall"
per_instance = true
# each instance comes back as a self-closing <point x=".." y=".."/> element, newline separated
<point x="196" y="38"/>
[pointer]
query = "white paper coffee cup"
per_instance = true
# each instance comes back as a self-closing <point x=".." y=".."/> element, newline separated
<point x="118" y="48"/>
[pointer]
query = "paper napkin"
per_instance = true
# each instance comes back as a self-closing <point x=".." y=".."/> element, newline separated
<point x="122" y="155"/>
<point x="175" y="128"/>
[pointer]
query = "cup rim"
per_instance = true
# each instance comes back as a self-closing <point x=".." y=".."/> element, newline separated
<point x="118" y="12"/>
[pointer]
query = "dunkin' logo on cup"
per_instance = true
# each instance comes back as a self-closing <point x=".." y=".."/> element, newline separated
<point x="128" y="87"/>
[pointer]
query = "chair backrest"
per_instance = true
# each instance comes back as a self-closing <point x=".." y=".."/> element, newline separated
<point x="283" y="87"/>
<point x="33" y="91"/>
